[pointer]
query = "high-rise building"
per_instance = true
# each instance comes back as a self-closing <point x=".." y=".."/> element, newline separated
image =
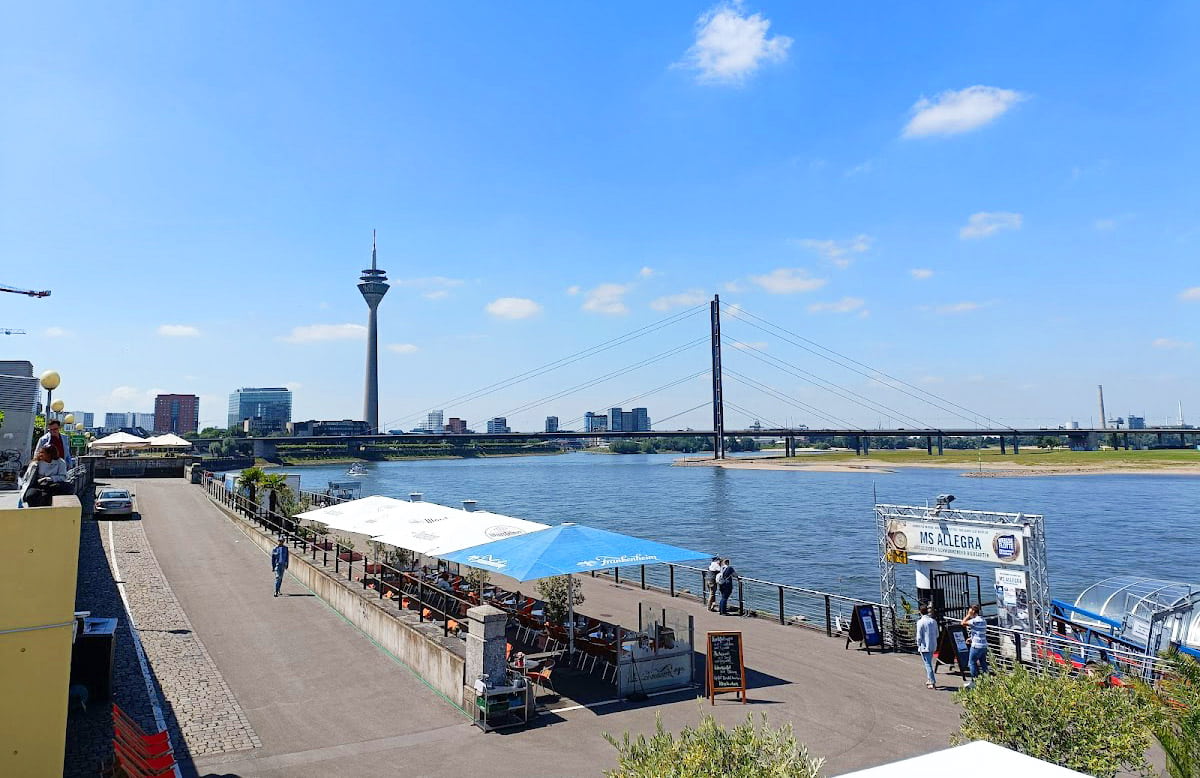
<point x="143" y="420"/>
<point x="498" y="426"/>
<point x="1137" y="422"/>
<point x="456" y="426"/>
<point x="84" y="419"/>
<point x="177" y="413"/>
<point x="551" y="424"/>
<point x="19" y="398"/>
<point x="373" y="285"/>
<point x="595" y="422"/>
<point x="115" y="421"/>
<point x="637" y="420"/>
<point x="260" y="409"/>
<point x="434" y="423"/>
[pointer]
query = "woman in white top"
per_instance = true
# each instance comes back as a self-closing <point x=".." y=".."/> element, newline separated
<point x="50" y="466"/>
<point x="977" y="627"/>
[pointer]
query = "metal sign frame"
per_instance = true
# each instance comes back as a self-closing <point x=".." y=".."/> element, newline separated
<point x="1032" y="528"/>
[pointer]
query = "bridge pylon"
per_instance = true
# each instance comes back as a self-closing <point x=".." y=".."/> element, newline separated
<point x="718" y="399"/>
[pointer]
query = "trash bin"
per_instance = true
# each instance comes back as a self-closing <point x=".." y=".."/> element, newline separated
<point x="92" y="657"/>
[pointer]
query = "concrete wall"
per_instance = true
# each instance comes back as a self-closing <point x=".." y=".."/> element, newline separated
<point x="440" y="667"/>
<point x="38" y="563"/>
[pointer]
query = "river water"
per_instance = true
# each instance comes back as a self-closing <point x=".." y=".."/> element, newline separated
<point x="812" y="529"/>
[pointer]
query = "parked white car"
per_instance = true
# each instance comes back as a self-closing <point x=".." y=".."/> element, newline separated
<point x="113" y="502"/>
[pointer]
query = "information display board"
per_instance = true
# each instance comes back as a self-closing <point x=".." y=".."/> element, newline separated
<point x="864" y="628"/>
<point x="726" y="668"/>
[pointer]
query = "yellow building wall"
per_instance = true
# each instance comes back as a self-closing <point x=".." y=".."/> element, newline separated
<point x="38" y="563"/>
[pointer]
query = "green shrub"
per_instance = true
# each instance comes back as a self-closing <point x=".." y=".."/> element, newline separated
<point x="749" y="750"/>
<point x="1075" y="721"/>
<point x="1179" y="729"/>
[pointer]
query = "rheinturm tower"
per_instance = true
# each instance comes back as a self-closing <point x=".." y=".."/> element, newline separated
<point x="373" y="285"/>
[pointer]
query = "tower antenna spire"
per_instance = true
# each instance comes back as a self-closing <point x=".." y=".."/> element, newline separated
<point x="373" y="250"/>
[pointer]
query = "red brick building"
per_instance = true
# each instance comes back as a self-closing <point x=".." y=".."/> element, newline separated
<point x="178" y="413"/>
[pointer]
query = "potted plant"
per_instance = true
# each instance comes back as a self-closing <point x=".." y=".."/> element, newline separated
<point x="555" y="592"/>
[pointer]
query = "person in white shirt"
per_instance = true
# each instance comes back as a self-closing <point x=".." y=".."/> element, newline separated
<point x="927" y="635"/>
<point x="714" y="567"/>
<point x="977" y="627"/>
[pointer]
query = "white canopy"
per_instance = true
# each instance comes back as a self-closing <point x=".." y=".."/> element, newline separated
<point x="119" y="440"/>
<point x="980" y="759"/>
<point x="424" y="527"/>
<point x="169" y="440"/>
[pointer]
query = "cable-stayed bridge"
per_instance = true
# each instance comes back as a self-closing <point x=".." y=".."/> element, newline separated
<point x="891" y="391"/>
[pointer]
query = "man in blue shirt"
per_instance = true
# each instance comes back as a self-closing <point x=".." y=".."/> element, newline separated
<point x="279" y="563"/>
<point x="927" y="637"/>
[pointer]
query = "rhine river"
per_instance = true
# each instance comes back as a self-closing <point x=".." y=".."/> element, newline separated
<point x="812" y="529"/>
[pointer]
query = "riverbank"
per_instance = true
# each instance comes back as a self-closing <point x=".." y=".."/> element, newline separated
<point x="977" y="463"/>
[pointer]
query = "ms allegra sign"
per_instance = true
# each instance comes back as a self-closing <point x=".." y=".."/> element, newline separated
<point x="994" y="544"/>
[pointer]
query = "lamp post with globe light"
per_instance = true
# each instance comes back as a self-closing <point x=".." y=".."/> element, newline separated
<point x="50" y="381"/>
<point x="57" y="407"/>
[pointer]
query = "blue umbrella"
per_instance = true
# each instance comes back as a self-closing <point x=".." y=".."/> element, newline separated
<point x="566" y="549"/>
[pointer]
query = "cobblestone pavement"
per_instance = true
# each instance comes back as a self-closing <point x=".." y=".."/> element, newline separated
<point x="201" y="711"/>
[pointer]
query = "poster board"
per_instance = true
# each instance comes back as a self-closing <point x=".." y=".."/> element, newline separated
<point x="952" y="646"/>
<point x="864" y="628"/>
<point x="726" y="665"/>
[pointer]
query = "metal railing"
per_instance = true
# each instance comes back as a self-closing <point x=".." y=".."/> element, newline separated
<point x="1009" y="647"/>
<point x="407" y="588"/>
<point x="787" y="604"/>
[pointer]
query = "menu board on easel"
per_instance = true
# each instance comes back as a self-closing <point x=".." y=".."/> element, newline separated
<point x="864" y="628"/>
<point x="726" y="668"/>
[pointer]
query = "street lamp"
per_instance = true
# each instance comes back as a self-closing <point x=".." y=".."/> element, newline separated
<point x="69" y="420"/>
<point x="50" y="381"/>
<point x="57" y="407"/>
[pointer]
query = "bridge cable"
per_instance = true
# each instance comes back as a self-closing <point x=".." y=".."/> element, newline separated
<point x="681" y="413"/>
<point x="752" y="415"/>
<point x="740" y="313"/>
<point x="838" y="390"/>
<point x="563" y="361"/>
<point x="647" y="393"/>
<point x="779" y="395"/>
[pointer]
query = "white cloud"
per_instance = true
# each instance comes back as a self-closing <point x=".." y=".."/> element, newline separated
<point x="1191" y="294"/>
<point x="574" y="290"/>
<point x="844" y="305"/>
<point x="920" y="273"/>
<point x="985" y="223"/>
<point x="756" y="345"/>
<point x="952" y="308"/>
<point x="607" y="299"/>
<point x="839" y="252"/>
<point x="293" y="386"/>
<point x="178" y="331"/>
<point x="788" y="280"/>
<point x="437" y="294"/>
<point x="647" y="272"/>
<point x="513" y="308"/>
<point x="733" y="286"/>
<point x="314" y="333"/>
<point x="860" y="169"/>
<point x="1171" y="343"/>
<point x="430" y="282"/>
<point x="681" y="300"/>
<point x="57" y="332"/>
<point x="730" y="46"/>
<point x="402" y="348"/>
<point x="125" y="393"/>
<point x="951" y="113"/>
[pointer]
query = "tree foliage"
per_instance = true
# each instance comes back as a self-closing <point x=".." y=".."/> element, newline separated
<point x="554" y="591"/>
<point x="1178" y="731"/>
<point x="1070" y="720"/>
<point x="749" y="750"/>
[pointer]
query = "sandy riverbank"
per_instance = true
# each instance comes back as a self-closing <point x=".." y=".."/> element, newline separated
<point x="990" y="470"/>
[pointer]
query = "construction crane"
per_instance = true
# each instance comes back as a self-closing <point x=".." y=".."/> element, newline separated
<point x="26" y="292"/>
<point x="11" y="331"/>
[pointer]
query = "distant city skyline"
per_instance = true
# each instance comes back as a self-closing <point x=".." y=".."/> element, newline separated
<point x="1004" y="215"/>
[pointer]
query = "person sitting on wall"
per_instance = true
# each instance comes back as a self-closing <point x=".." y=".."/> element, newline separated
<point x="49" y="478"/>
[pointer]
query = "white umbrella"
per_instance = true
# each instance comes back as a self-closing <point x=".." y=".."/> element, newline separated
<point x="367" y="516"/>
<point x="169" y="440"/>
<point x="119" y="440"/>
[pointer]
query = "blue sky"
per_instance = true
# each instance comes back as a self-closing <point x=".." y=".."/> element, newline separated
<point x="997" y="204"/>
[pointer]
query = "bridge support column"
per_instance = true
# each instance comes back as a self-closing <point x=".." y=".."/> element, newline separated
<point x="929" y="445"/>
<point x="265" y="449"/>
<point x="1002" y="451"/>
<point x="857" y="445"/>
<point x="1016" y="445"/>
<point x="941" y="447"/>
<point x="866" y="446"/>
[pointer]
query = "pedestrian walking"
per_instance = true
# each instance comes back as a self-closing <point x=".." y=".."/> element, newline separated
<point x="710" y="580"/>
<point x="927" y="636"/>
<point x="279" y="563"/>
<point x="725" y="580"/>
<point x="977" y="628"/>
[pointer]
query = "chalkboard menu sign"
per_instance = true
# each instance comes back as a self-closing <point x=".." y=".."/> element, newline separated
<point x="726" y="670"/>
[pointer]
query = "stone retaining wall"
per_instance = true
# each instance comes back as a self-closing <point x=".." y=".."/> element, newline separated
<point x="437" y="665"/>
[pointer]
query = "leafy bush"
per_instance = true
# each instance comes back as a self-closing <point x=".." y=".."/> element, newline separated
<point x="1075" y="721"/>
<point x="749" y="750"/>
<point x="1179" y="729"/>
<point x="554" y="591"/>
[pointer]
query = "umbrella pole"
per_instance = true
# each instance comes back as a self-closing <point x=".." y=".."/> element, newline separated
<point x="571" y="613"/>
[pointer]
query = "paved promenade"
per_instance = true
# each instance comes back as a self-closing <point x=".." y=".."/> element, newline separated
<point x="322" y="699"/>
